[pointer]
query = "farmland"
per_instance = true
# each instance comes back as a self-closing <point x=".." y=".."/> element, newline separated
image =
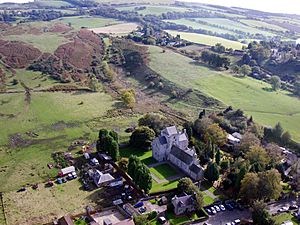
<point x="155" y="10"/>
<point x="266" y="107"/>
<point x="195" y="25"/>
<point x="78" y="22"/>
<point x="262" y="24"/>
<point x="234" y="25"/>
<point x="51" y="3"/>
<point x="123" y="28"/>
<point x="207" y="39"/>
<point x="53" y="40"/>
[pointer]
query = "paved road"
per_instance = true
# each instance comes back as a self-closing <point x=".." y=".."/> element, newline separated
<point x="273" y="208"/>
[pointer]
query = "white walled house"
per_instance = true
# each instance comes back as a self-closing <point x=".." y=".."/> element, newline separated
<point x="172" y="146"/>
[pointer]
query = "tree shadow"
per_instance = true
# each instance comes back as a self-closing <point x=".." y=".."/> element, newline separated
<point x="268" y="89"/>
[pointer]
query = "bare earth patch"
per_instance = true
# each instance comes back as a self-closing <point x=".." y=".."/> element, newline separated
<point x="122" y="28"/>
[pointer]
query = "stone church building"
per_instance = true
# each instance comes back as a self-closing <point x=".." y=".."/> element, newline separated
<point x="172" y="146"/>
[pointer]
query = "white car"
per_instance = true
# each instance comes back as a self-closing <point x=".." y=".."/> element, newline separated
<point x="237" y="221"/>
<point x="217" y="208"/>
<point x="222" y="207"/>
<point x="213" y="210"/>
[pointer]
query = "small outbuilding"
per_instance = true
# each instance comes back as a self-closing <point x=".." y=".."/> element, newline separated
<point x="66" y="171"/>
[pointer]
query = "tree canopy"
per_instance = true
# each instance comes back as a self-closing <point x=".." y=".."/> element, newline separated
<point x="142" y="137"/>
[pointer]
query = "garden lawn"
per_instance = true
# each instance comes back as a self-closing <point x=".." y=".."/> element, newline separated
<point x="252" y="96"/>
<point x="279" y="219"/>
<point x="88" y="22"/>
<point x="206" y="39"/>
<point x="156" y="187"/>
<point x="207" y="200"/>
<point x="174" y="220"/>
<point x="144" y="155"/>
<point x="163" y="171"/>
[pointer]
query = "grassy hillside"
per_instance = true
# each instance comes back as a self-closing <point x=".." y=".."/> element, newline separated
<point x="249" y="94"/>
<point x="52" y="3"/>
<point x="207" y="39"/>
<point x="152" y="9"/>
<point x="89" y="22"/>
<point x="196" y="25"/>
<point x="230" y="24"/>
<point x="262" y="24"/>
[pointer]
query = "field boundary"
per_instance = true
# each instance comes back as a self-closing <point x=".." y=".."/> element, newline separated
<point x="3" y="210"/>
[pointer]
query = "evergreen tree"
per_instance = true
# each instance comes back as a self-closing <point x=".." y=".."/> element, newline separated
<point x="218" y="157"/>
<point x="212" y="173"/>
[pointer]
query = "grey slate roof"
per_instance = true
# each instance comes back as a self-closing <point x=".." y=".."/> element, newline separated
<point x="195" y="168"/>
<point x="184" y="200"/>
<point x="162" y="140"/>
<point x="171" y="130"/>
<point x="182" y="155"/>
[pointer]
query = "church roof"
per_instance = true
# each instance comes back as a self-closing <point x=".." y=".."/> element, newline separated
<point x="195" y="168"/>
<point x="182" y="137"/>
<point x="162" y="140"/>
<point x="182" y="155"/>
<point x="171" y="130"/>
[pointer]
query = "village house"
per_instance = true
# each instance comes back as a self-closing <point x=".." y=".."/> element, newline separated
<point x="99" y="178"/>
<point x="172" y="146"/>
<point x="183" y="204"/>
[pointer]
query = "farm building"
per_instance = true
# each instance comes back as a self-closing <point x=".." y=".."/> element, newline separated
<point x="66" y="171"/>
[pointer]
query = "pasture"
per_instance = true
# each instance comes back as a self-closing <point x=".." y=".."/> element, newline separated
<point x="235" y="25"/>
<point x="248" y="94"/>
<point x="52" y="3"/>
<point x="262" y="24"/>
<point x="206" y="39"/>
<point x="53" y="40"/>
<point x="154" y="9"/>
<point x="118" y="29"/>
<point x="77" y="22"/>
<point x="195" y="25"/>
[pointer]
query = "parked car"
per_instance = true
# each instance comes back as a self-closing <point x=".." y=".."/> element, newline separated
<point x="237" y="221"/>
<point x="229" y="206"/>
<point x="217" y="208"/>
<point x="213" y="211"/>
<point x="21" y="189"/>
<point x="64" y="180"/>
<point x="129" y="198"/>
<point x="283" y="209"/>
<point x="74" y="175"/>
<point x="208" y="211"/>
<point x="162" y="220"/>
<point x="293" y="207"/>
<point x="59" y="181"/>
<point x="142" y="209"/>
<point x="222" y="207"/>
<point x="139" y="204"/>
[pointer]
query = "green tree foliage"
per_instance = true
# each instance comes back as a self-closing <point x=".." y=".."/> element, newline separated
<point x="219" y="48"/>
<point x="123" y="164"/>
<point x="139" y="173"/>
<point x="215" y="59"/>
<point x="269" y="184"/>
<point x="224" y="165"/>
<point x="240" y="177"/>
<point x="286" y="138"/>
<point x="154" y="121"/>
<point x="218" y="157"/>
<point x="128" y="97"/>
<point x="245" y="70"/>
<point x="260" y="215"/>
<point x="258" y="158"/>
<point x="108" y="143"/>
<point x="200" y="125"/>
<point x="188" y="126"/>
<point x="275" y="82"/>
<point x="212" y="173"/>
<point x="142" y="137"/>
<point x="94" y="84"/>
<point x="186" y="185"/>
<point x="109" y="73"/>
<point x="249" y="188"/>
<point x="216" y="135"/>
<point x="277" y="131"/>
<point x="236" y="69"/>
<point x="248" y="140"/>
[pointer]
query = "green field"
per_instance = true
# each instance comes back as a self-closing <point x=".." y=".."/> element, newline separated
<point x="156" y="187"/>
<point x="248" y="94"/>
<point x="163" y="171"/>
<point x="78" y="22"/>
<point x="52" y="3"/>
<point x="279" y="219"/>
<point x="195" y="25"/>
<point x="207" y="39"/>
<point x="153" y="9"/>
<point x="234" y="25"/>
<point x="262" y="24"/>
<point x="53" y="40"/>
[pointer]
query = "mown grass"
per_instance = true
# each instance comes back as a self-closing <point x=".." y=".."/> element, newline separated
<point x="206" y="39"/>
<point x="279" y="219"/>
<point x="78" y="22"/>
<point x="154" y="9"/>
<point x="38" y="41"/>
<point x="252" y="96"/>
<point x="163" y="171"/>
<point x="52" y="3"/>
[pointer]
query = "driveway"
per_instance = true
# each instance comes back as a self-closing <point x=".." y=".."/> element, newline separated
<point x="273" y="208"/>
<point x="222" y="218"/>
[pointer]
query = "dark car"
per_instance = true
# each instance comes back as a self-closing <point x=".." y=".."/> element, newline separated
<point x="86" y="187"/>
<point x="64" y="180"/>
<point x="59" y="181"/>
<point x="21" y="189"/>
<point x="229" y="206"/>
<point x="139" y="204"/>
